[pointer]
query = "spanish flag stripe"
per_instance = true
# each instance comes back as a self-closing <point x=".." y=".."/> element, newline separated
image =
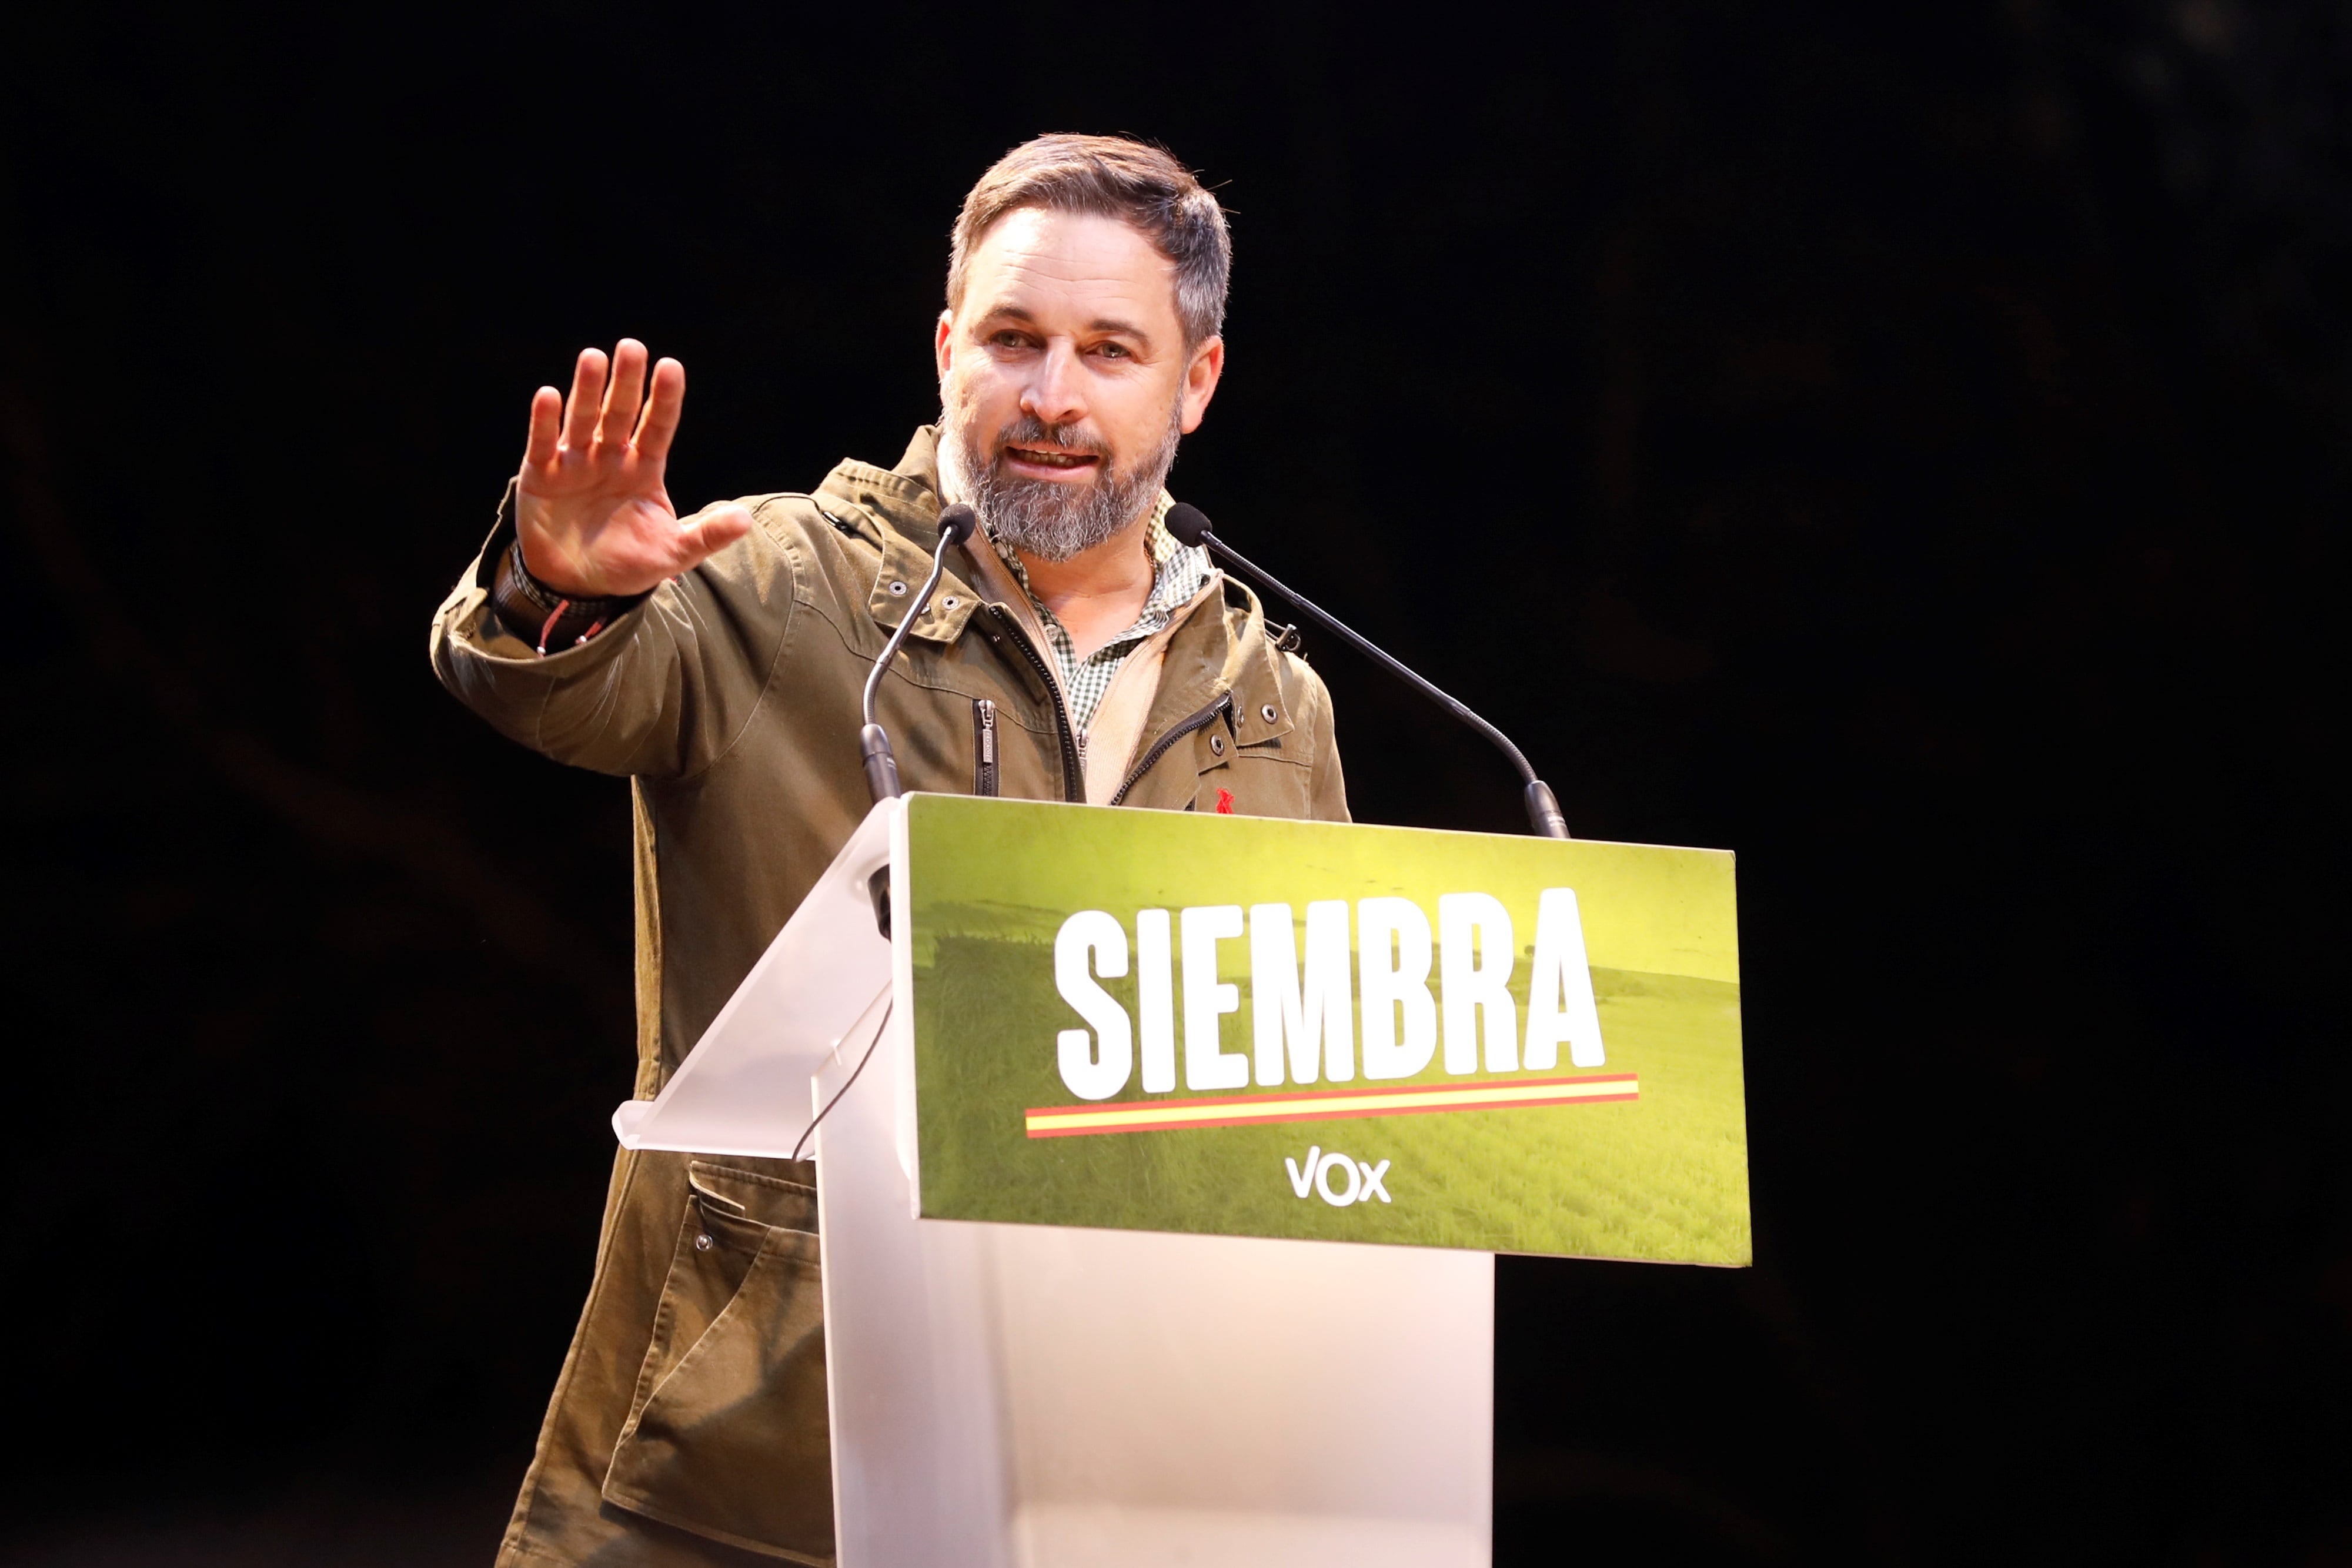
<point x="1251" y="1109"/>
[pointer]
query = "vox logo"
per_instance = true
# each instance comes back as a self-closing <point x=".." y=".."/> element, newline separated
<point x="1364" y="1181"/>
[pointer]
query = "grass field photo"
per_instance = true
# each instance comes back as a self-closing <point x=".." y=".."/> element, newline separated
<point x="1660" y="1175"/>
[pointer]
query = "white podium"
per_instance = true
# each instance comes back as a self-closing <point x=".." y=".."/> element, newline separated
<point x="1038" y="1396"/>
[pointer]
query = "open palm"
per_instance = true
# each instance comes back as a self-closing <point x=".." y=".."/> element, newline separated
<point x="590" y="512"/>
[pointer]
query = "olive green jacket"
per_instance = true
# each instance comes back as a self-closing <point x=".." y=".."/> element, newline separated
<point x="693" y="1397"/>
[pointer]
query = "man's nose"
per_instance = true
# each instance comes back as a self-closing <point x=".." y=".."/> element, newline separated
<point x="1055" y="395"/>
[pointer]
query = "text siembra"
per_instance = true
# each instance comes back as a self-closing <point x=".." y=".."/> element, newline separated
<point x="1303" y="1016"/>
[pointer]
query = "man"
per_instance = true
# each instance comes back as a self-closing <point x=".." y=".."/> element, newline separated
<point x="1075" y="652"/>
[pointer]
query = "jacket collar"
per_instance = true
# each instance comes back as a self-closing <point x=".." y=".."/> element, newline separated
<point x="901" y="511"/>
<point x="1223" y="650"/>
<point x="1220" y="647"/>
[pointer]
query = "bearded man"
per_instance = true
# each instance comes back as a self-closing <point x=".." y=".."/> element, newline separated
<point x="1075" y="652"/>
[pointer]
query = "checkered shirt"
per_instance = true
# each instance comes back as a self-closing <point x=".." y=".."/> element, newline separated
<point x="1177" y="572"/>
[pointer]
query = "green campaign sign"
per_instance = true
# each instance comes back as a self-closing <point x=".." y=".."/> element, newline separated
<point x="1174" y="1021"/>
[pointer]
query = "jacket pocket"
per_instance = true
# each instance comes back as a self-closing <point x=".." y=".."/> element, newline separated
<point x="726" y="1434"/>
<point x="983" y="747"/>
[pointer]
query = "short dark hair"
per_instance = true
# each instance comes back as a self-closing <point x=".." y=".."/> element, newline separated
<point x="1111" y="177"/>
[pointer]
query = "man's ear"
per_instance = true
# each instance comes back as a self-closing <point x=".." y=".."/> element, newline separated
<point x="1201" y="375"/>
<point x="942" y="351"/>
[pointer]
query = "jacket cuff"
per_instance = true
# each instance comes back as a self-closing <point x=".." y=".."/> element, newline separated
<point x="548" y="620"/>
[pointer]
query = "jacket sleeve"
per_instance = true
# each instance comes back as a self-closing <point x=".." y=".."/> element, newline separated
<point x="1327" y="785"/>
<point x="662" y="692"/>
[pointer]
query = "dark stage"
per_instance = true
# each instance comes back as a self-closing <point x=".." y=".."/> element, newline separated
<point x="1907" y="449"/>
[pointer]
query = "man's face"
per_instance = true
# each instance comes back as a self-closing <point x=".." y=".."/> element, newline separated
<point x="1064" y="380"/>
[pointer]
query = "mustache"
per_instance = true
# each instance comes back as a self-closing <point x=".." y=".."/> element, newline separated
<point x="1053" y="521"/>
<point x="1031" y="431"/>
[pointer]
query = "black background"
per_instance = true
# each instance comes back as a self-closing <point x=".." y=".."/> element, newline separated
<point x="1905" y="446"/>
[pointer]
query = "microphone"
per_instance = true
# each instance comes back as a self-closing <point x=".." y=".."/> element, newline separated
<point x="1190" y="527"/>
<point x="872" y="743"/>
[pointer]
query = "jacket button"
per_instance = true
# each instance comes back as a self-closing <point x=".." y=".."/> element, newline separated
<point x="702" y="1243"/>
<point x="1268" y="713"/>
<point x="897" y="591"/>
<point x="1216" y="746"/>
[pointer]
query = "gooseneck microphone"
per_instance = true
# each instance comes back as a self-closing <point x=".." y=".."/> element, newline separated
<point x="956" y="523"/>
<point x="1190" y="527"/>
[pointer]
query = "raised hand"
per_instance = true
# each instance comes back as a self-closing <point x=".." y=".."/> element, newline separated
<point x="590" y="512"/>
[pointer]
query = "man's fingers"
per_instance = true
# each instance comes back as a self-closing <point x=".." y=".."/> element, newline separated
<point x="659" y="427"/>
<point x="587" y="398"/>
<point x="546" y="428"/>
<point x="627" y="391"/>
<point x="705" y="535"/>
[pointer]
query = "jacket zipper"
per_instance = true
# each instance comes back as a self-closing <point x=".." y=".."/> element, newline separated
<point x="1074" y="772"/>
<point x="1160" y="747"/>
<point x="983" y="739"/>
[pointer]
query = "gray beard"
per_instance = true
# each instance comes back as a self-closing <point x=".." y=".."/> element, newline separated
<point x="1038" y="517"/>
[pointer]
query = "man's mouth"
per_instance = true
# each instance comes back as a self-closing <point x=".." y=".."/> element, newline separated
<point x="1050" y="457"/>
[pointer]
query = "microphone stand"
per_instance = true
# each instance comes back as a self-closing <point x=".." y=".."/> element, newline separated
<point x="1543" y="807"/>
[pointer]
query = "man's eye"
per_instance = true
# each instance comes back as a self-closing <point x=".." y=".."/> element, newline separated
<point x="1112" y="351"/>
<point x="1008" y="340"/>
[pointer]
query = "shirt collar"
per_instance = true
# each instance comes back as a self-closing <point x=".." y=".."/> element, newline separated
<point x="1177" y="570"/>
